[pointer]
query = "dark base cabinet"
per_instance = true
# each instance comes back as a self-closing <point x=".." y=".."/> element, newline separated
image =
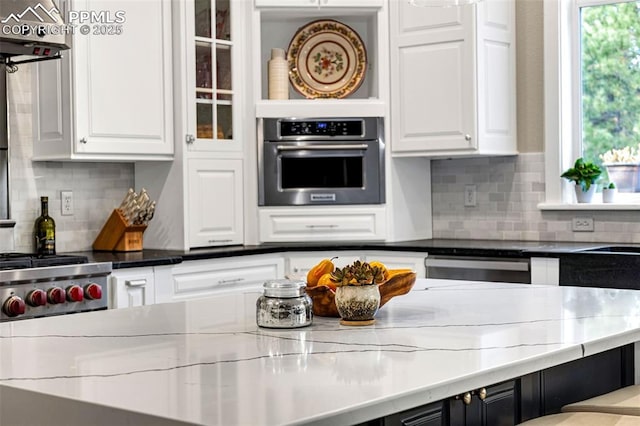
<point x="534" y="395"/>
<point x="600" y="270"/>
<point x="499" y="407"/>
<point x="434" y="414"/>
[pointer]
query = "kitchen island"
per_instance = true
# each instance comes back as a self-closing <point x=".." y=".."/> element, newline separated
<point x="206" y="361"/>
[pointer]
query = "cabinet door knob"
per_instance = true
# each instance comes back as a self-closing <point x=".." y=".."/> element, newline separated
<point x="466" y="398"/>
<point x="190" y="139"/>
<point x="467" y="138"/>
<point x="83" y="140"/>
<point x="482" y="394"/>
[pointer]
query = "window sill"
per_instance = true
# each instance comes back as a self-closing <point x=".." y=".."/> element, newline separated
<point x="588" y="206"/>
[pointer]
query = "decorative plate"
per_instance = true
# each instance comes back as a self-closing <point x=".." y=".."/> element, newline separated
<point x="327" y="59"/>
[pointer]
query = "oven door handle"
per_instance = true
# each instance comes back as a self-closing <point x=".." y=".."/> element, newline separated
<point x="358" y="146"/>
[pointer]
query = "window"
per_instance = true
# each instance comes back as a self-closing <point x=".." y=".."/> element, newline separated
<point x="592" y="92"/>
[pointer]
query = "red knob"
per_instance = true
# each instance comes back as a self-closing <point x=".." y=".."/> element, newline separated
<point x="13" y="306"/>
<point x="56" y="295"/>
<point x="75" y="293"/>
<point x="36" y="297"/>
<point x="93" y="291"/>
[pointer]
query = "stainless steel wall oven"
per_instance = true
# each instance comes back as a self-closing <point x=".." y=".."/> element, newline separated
<point x="321" y="161"/>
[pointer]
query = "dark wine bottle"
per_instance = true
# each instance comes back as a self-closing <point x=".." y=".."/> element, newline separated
<point x="45" y="230"/>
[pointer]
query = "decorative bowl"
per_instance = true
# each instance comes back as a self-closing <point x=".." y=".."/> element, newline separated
<point x="323" y="296"/>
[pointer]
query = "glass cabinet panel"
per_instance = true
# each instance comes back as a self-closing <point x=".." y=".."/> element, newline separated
<point x="213" y="67"/>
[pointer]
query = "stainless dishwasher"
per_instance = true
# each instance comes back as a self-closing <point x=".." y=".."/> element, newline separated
<point x="472" y="268"/>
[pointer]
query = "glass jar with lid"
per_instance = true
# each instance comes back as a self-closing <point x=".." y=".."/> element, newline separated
<point x="284" y="304"/>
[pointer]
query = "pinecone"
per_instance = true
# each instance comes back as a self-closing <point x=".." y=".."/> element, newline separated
<point x="359" y="273"/>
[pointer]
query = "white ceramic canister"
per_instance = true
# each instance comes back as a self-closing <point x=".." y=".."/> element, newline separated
<point x="278" y="75"/>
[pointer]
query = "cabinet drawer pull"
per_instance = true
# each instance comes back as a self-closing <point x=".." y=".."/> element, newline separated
<point x="135" y="283"/>
<point x="218" y="241"/>
<point x="482" y="394"/>
<point x="465" y="397"/>
<point x="321" y="226"/>
<point x="468" y="396"/>
<point x="234" y="280"/>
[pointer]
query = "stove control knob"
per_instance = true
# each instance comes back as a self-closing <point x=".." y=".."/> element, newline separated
<point x="93" y="291"/>
<point x="75" y="293"/>
<point x="56" y="295"/>
<point x="36" y="297"/>
<point x="13" y="306"/>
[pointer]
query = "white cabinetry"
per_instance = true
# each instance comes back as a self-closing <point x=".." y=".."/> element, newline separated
<point x="215" y="202"/>
<point x="111" y="96"/>
<point x="202" y="192"/>
<point x="545" y="271"/>
<point x="324" y="224"/>
<point x="453" y="88"/>
<point x="298" y="264"/>
<point x="400" y="260"/>
<point x="132" y="287"/>
<point x="201" y="278"/>
<point x="407" y="212"/>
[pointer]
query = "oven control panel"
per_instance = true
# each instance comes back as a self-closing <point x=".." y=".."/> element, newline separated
<point x="317" y="127"/>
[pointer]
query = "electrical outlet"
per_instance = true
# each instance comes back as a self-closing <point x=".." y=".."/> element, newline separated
<point x="66" y="198"/>
<point x="470" y="196"/>
<point x="582" y="224"/>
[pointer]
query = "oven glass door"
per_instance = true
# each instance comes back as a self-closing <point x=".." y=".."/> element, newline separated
<point x="331" y="169"/>
<point x="309" y="172"/>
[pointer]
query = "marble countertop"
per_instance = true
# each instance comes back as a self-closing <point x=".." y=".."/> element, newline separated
<point x="206" y="362"/>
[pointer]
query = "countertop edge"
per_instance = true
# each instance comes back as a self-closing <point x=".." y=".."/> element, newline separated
<point x="481" y="248"/>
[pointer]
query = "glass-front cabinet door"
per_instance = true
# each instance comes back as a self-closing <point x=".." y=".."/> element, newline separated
<point x="214" y="97"/>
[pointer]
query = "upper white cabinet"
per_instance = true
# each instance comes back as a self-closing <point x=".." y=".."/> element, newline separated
<point x="453" y="87"/>
<point x="110" y="97"/>
<point x="209" y="59"/>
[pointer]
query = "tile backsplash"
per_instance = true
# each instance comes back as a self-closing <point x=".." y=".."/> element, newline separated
<point x="508" y="191"/>
<point x="97" y="187"/>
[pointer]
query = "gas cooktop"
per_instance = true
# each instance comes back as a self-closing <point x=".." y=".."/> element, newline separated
<point x="27" y="260"/>
<point x="34" y="286"/>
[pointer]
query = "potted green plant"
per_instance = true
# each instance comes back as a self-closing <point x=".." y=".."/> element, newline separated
<point x="609" y="193"/>
<point x="623" y="168"/>
<point x="584" y="174"/>
<point x="357" y="293"/>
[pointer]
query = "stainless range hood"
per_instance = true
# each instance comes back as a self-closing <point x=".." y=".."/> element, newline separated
<point x="33" y="28"/>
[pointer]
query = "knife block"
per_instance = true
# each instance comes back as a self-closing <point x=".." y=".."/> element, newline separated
<point x="118" y="235"/>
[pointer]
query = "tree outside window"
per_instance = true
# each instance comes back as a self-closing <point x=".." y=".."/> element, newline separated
<point x="610" y="55"/>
